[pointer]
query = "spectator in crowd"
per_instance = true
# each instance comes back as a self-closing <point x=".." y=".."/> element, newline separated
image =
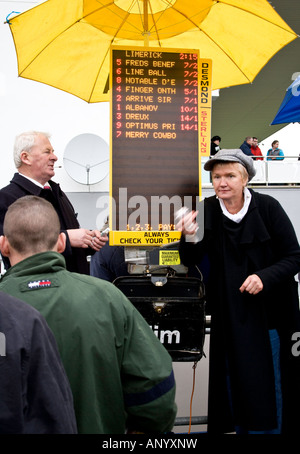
<point x="215" y="145"/>
<point x="256" y="151"/>
<point x="275" y="153"/>
<point x="35" y="159"/>
<point x="35" y="394"/>
<point x="246" y="146"/>
<point x="109" y="263"/>
<point x="120" y="374"/>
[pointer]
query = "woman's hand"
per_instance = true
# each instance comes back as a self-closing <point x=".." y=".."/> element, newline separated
<point x="187" y="224"/>
<point x="252" y="285"/>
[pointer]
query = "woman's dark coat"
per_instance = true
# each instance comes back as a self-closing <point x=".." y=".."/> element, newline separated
<point x="267" y="246"/>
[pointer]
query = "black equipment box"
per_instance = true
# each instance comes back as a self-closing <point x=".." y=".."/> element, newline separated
<point x="174" y="308"/>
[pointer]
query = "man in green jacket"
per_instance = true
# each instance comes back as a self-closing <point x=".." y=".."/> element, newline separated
<point x="120" y="374"/>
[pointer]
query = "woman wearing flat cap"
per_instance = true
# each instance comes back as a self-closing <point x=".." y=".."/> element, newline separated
<point x="252" y="296"/>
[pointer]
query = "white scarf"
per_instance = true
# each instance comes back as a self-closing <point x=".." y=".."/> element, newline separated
<point x="237" y="217"/>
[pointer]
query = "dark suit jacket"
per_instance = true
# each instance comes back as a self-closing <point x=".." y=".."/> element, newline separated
<point x="19" y="187"/>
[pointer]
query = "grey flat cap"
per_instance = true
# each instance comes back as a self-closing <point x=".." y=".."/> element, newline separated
<point x="235" y="155"/>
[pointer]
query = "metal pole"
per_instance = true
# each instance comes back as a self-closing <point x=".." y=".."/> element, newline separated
<point x="146" y="31"/>
<point x="195" y="420"/>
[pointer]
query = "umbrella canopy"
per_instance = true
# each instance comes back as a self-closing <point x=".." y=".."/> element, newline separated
<point x="66" y="43"/>
<point x="289" y="111"/>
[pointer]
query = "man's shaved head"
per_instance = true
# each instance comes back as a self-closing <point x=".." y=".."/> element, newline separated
<point x="31" y="225"/>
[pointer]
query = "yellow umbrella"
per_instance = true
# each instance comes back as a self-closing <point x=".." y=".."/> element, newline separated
<point x="66" y="43"/>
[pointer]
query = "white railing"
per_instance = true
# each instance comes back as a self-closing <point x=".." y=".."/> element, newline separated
<point x="286" y="171"/>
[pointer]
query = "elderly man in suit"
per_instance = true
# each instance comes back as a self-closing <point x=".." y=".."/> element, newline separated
<point x="34" y="159"/>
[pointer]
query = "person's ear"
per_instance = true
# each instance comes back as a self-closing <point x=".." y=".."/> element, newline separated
<point x="4" y="246"/>
<point x="61" y="242"/>
<point x="24" y="156"/>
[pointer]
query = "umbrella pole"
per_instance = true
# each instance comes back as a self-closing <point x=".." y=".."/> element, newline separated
<point x="146" y="31"/>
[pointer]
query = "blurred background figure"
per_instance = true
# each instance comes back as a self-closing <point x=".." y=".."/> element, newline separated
<point x="256" y="151"/>
<point x="275" y="153"/>
<point x="246" y="146"/>
<point x="215" y="145"/>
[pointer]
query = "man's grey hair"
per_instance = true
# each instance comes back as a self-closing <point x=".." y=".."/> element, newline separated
<point x="24" y="142"/>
